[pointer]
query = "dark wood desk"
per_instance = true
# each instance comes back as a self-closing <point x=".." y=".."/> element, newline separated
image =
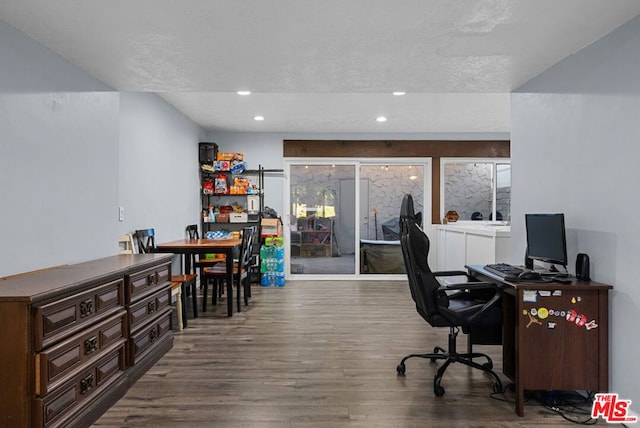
<point x="201" y="246"/>
<point x="555" y="336"/>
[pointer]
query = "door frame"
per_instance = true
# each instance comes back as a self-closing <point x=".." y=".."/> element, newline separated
<point x="426" y="163"/>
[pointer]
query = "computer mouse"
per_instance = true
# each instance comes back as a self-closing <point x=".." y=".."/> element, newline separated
<point x="528" y="276"/>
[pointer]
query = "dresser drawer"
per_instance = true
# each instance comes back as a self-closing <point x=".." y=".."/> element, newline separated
<point x="57" y="406"/>
<point x="64" y="317"/>
<point x="144" y="281"/>
<point x="148" y="307"/>
<point x="143" y="341"/>
<point x="58" y="362"/>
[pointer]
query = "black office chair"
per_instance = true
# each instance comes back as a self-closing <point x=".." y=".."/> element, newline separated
<point x="456" y="306"/>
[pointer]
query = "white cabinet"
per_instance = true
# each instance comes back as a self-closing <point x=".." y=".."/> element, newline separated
<point x="474" y="243"/>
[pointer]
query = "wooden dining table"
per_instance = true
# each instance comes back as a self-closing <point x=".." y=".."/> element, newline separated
<point x="205" y="246"/>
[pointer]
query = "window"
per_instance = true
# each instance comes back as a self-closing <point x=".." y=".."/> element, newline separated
<point x="477" y="189"/>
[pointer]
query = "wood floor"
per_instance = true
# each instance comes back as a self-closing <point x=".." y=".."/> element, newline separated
<point x="316" y="354"/>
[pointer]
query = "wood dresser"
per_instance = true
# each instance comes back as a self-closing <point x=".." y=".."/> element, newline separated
<point x="74" y="338"/>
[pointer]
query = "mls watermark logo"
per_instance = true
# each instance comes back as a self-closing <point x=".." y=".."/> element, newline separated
<point x="612" y="409"/>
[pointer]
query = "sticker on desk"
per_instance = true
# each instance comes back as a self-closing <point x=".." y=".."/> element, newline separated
<point x="571" y="316"/>
<point x="580" y="320"/>
<point x="544" y="293"/>
<point x="557" y="293"/>
<point x="530" y="296"/>
<point x="543" y="313"/>
<point x="591" y="325"/>
<point x="533" y="320"/>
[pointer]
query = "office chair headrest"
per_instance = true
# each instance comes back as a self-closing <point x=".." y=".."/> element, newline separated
<point x="406" y="207"/>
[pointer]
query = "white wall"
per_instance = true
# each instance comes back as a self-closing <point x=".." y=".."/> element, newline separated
<point x="575" y="149"/>
<point x="159" y="184"/>
<point x="29" y="67"/>
<point x="72" y="151"/>
<point x="58" y="149"/>
<point x="59" y="183"/>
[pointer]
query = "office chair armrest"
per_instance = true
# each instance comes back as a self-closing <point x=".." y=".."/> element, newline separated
<point x="491" y="300"/>
<point x="451" y="273"/>
<point x="485" y="291"/>
<point x="471" y="286"/>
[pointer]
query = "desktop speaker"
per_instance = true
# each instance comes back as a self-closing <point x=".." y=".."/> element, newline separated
<point x="582" y="267"/>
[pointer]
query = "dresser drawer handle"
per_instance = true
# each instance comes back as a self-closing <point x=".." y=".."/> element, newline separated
<point x="86" y="308"/>
<point x="152" y="279"/>
<point x="86" y="384"/>
<point x="90" y="345"/>
<point x="153" y="335"/>
<point x="151" y="307"/>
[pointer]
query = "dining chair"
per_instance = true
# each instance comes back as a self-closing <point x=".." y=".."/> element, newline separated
<point x="176" y="290"/>
<point x="146" y="240"/>
<point x="125" y="242"/>
<point x="200" y="261"/>
<point x="216" y="275"/>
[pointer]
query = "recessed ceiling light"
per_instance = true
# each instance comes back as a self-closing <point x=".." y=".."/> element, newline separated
<point x="399" y="93"/>
<point x="381" y="119"/>
<point x="258" y="118"/>
<point x="244" y="92"/>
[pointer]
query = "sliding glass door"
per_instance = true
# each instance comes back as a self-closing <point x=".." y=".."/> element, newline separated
<point x="321" y="218"/>
<point x="343" y="217"/>
<point x="381" y="195"/>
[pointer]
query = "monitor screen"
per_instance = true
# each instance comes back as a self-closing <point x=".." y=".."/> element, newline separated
<point x="546" y="238"/>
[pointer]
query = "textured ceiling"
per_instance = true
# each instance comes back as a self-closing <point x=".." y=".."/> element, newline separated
<point x="322" y="66"/>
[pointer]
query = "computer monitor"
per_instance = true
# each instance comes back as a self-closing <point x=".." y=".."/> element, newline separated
<point x="546" y="238"/>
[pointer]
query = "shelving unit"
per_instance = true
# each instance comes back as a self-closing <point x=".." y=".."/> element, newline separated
<point x="314" y="237"/>
<point x="253" y="203"/>
<point x="222" y="187"/>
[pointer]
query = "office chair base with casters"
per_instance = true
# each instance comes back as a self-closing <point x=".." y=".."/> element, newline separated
<point x="452" y="356"/>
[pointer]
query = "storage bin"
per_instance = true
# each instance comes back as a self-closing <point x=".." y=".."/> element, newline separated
<point x="238" y="218"/>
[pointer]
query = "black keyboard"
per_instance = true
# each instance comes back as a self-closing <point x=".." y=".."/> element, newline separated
<point x="504" y="270"/>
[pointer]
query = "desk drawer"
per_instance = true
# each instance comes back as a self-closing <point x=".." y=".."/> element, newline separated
<point x="64" y="317"/>
<point x="148" y="307"/>
<point x="143" y="341"/>
<point x="142" y="282"/>
<point x="57" y="406"/>
<point x="54" y="364"/>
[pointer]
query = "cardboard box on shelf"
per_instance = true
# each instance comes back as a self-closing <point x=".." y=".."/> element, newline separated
<point x="270" y="227"/>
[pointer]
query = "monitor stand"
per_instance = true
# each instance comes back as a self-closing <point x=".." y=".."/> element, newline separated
<point x="552" y="271"/>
